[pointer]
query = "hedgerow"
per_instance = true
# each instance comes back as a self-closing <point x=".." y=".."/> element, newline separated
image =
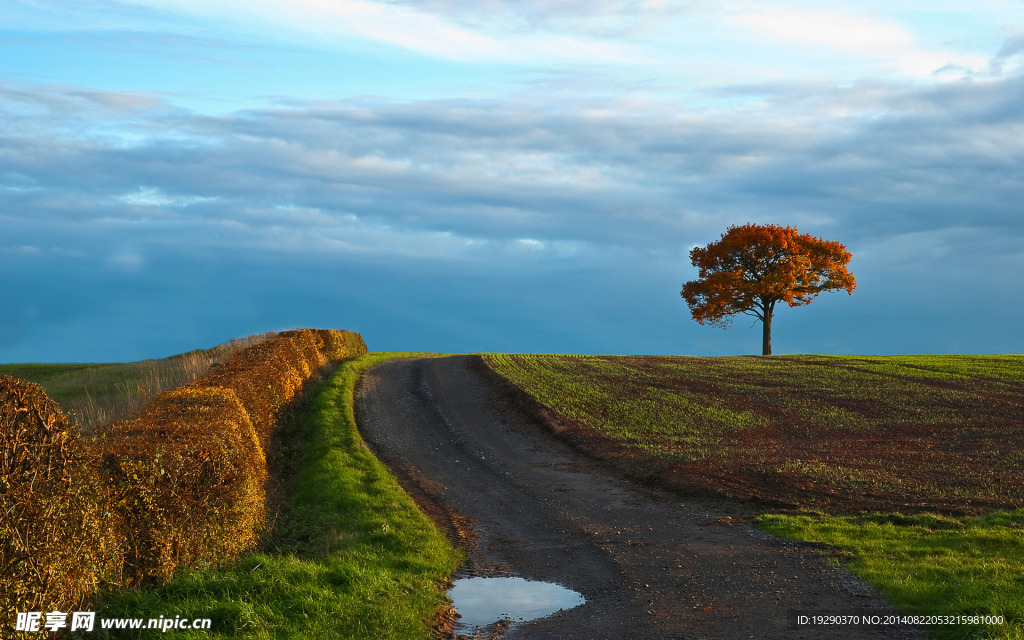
<point x="55" y="539"/>
<point x="181" y="484"/>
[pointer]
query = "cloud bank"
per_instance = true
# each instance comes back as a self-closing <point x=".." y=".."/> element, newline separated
<point x="505" y="224"/>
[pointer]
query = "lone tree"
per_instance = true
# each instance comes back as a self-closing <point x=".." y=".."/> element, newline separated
<point x="753" y="267"/>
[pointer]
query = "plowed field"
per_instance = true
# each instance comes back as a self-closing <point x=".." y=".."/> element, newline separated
<point x="909" y="433"/>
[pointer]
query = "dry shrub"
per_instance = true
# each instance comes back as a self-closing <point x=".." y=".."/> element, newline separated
<point x="339" y="345"/>
<point x="267" y="376"/>
<point x="186" y="478"/>
<point x="188" y="475"/>
<point x="56" y="542"/>
<point x="182" y="483"/>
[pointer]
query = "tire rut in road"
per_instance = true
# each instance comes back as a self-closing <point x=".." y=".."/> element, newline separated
<point x="524" y="504"/>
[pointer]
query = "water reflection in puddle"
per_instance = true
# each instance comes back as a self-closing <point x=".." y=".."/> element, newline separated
<point x="482" y="601"/>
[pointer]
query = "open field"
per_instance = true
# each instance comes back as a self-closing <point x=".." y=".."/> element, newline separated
<point x="98" y="394"/>
<point x="936" y="433"/>
<point x="923" y="442"/>
<point x="352" y="556"/>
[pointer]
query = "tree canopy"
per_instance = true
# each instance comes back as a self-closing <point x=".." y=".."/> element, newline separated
<point x="753" y="267"/>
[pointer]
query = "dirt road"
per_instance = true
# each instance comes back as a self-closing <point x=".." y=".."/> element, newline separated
<point x="523" y="504"/>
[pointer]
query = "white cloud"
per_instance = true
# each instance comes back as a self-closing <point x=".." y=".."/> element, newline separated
<point x="394" y="25"/>
<point x="435" y="178"/>
<point x="530" y="243"/>
<point x="129" y="261"/>
<point x="860" y="36"/>
<point x="335" y="22"/>
<point x="152" y="197"/>
<point x="838" y="30"/>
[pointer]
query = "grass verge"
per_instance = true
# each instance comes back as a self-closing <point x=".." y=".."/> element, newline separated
<point x="928" y="564"/>
<point x="353" y="558"/>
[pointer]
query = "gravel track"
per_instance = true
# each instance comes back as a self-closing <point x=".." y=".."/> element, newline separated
<point x="650" y="564"/>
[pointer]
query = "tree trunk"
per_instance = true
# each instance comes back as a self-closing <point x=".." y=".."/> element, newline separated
<point x="766" y="324"/>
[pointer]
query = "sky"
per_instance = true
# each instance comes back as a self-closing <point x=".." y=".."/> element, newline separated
<point x="520" y="176"/>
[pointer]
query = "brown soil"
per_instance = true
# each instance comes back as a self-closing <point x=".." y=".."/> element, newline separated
<point x="523" y="503"/>
<point x="961" y="464"/>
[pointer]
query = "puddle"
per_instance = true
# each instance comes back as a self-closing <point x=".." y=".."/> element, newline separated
<point x="484" y="601"/>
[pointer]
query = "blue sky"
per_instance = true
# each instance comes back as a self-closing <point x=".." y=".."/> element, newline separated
<point x="474" y="175"/>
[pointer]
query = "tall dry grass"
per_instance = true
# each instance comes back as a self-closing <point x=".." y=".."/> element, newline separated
<point x="94" y="398"/>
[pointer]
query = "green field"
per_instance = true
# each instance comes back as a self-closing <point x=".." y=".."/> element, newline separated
<point x="352" y="556"/>
<point x="69" y="381"/>
<point x="94" y="395"/>
<point x="888" y="458"/>
<point x="917" y="433"/>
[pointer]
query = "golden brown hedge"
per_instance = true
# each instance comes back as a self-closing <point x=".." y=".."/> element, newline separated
<point x="187" y="476"/>
<point x="182" y="483"/>
<point x="56" y="539"/>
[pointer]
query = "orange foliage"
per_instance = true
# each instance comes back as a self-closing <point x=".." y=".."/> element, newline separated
<point x="56" y="543"/>
<point x="755" y="266"/>
<point x="182" y="483"/>
<point x="187" y="476"/>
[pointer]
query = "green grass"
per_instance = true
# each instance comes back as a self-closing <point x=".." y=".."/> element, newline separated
<point x="96" y="395"/>
<point x="67" y="381"/>
<point x="91" y="395"/>
<point x="930" y="565"/>
<point x="355" y="558"/>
